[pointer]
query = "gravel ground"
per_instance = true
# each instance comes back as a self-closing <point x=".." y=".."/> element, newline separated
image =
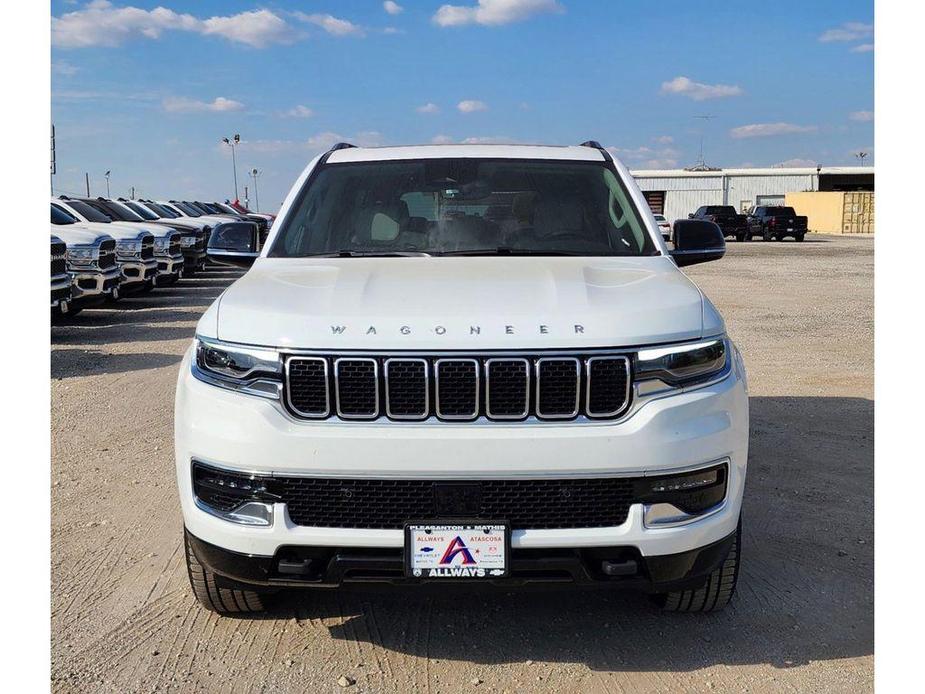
<point x="123" y="617"/>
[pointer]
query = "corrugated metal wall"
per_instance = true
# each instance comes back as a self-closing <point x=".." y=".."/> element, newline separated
<point x="685" y="194"/>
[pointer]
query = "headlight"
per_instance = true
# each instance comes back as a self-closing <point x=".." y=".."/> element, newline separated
<point x="81" y="255"/>
<point x="161" y="244"/>
<point x="683" y="365"/>
<point x="128" y="248"/>
<point x="251" y="370"/>
<point x="188" y="241"/>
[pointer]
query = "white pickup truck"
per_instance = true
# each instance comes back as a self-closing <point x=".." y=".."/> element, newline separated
<point x="472" y="363"/>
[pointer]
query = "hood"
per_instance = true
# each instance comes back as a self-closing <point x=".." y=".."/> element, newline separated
<point x="80" y="234"/>
<point x="458" y="303"/>
<point x="156" y="230"/>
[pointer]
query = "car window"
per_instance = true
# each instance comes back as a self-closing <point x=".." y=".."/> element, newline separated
<point x="89" y="213"/>
<point x="457" y="205"/>
<point x="140" y="211"/>
<point x="60" y="216"/>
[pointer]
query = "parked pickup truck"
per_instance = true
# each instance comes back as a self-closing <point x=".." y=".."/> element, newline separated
<point x="731" y="222"/>
<point x="774" y="222"/>
<point x="91" y="263"/>
<point x="134" y="247"/>
<point x="463" y="363"/>
<point x="60" y="280"/>
<point x="167" y="251"/>
<point x="192" y="236"/>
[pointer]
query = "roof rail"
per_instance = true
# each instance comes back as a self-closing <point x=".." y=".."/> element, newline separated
<point x="342" y="145"/>
<point x="591" y="143"/>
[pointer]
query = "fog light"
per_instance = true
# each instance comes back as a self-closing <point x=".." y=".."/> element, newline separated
<point x="679" y="498"/>
<point x="236" y="497"/>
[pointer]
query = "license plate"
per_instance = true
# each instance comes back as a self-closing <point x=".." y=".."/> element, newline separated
<point x="457" y="551"/>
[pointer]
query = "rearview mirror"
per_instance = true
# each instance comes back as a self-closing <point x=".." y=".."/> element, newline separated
<point x="235" y="243"/>
<point x="697" y="241"/>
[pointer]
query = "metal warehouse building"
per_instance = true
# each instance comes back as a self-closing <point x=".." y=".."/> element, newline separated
<point x="678" y="192"/>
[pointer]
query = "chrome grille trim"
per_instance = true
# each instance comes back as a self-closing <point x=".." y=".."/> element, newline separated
<point x="539" y="388"/>
<point x="476" y="376"/>
<point x="388" y="407"/>
<point x="327" y="388"/>
<point x="337" y="390"/>
<point x="456" y="417"/>
<point x="629" y="385"/>
<point x="526" y="409"/>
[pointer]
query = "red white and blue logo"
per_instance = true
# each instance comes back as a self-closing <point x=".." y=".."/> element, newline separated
<point x="457" y="546"/>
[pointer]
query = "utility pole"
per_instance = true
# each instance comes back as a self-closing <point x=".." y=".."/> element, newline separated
<point x="861" y="156"/>
<point x="705" y="118"/>
<point x="53" y="169"/>
<point x="133" y="192"/>
<point x="87" y="180"/>
<point x="246" y="198"/>
<point x="254" y="174"/>
<point x="234" y="164"/>
<point x="107" y="184"/>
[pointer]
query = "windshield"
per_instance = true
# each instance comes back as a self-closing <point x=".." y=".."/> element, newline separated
<point x="458" y="206"/>
<point x="140" y="211"/>
<point x="780" y="212"/>
<point x="187" y="209"/>
<point x="89" y="213"/>
<point x="59" y="216"/>
<point x="162" y="210"/>
<point x="118" y="212"/>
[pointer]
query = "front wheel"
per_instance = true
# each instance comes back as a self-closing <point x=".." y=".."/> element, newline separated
<point x="217" y="593"/>
<point x="716" y="593"/>
<point x="741" y="237"/>
<point x="767" y="236"/>
<point x="798" y="237"/>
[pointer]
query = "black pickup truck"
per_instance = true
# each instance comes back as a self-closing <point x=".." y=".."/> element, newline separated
<point x="775" y="222"/>
<point x="732" y="223"/>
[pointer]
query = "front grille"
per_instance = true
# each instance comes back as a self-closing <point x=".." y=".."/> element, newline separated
<point x="174" y="247"/>
<point x="147" y="248"/>
<point x="464" y="388"/>
<point x="58" y="258"/>
<point x="107" y="254"/>
<point x="390" y="503"/>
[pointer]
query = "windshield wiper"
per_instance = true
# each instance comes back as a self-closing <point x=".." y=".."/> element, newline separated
<point x="368" y="254"/>
<point x="504" y="250"/>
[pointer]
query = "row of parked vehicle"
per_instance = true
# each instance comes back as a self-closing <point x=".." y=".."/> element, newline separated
<point x="769" y="222"/>
<point x="104" y="249"/>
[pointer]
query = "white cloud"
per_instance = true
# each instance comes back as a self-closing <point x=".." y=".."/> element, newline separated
<point x="863" y="48"/>
<point x="299" y="111"/>
<point x="181" y="104"/>
<point x="862" y="116"/>
<point x="494" y="12"/>
<point x="429" y="107"/>
<point x="663" y="158"/>
<point x="699" y="91"/>
<point x="392" y="7"/>
<point x="849" y="31"/>
<point x="100" y="23"/>
<point x="441" y="140"/>
<point x="769" y="130"/>
<point x="64" y="68"/>
<point x="331" y="24"/>
<point x="794" y="164"/>
<point x="663" y="139"/>
<point x="488" y="140"/>
<point x="471" y="106"/>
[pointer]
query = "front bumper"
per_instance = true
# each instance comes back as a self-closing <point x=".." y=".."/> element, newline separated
<point x="60" y="289"/>
<point x="668" y="434"/>
<point x="88" y="284"/>
<point x="330" y="567"/>
<point x="169" y="266"/>
<point x="135" y="272"/>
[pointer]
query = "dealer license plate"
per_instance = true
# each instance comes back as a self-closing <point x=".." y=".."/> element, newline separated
<point x="457" y="551"/>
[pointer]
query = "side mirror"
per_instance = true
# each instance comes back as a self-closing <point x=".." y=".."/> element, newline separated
<point x="234" y="243"/>
<point x="690" y="216"/>
<point x="697" y="241"/>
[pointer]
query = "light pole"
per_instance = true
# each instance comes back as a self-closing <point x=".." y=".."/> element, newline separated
<point x="107" y="183"/>
<point x="234" y="164"/>
<point x="254" y="174"/>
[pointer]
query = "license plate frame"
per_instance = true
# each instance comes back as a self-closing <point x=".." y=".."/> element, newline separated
<point x="422" y="566"/>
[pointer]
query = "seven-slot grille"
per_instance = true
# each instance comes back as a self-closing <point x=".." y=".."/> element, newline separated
<point x="58" y="258"/>
<point x="389" y="503"/>
<point x="107" y="257"/>
<point x="463" y="388"/>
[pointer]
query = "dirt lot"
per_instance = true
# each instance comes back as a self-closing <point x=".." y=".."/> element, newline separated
<point x="123" y="618"/>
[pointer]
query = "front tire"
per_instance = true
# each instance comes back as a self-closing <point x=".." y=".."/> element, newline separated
<point x="741" y="237"/>
<point x="798" y="237"/>
<point x="767" y="236"/>
<point x="716" y="593"/>
<point x="216" y="593"/>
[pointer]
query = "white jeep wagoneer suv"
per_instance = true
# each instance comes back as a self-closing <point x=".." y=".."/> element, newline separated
<point x="473" y="363"/>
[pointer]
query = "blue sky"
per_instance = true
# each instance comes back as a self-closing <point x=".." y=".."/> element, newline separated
<point x="147" y="90"/>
